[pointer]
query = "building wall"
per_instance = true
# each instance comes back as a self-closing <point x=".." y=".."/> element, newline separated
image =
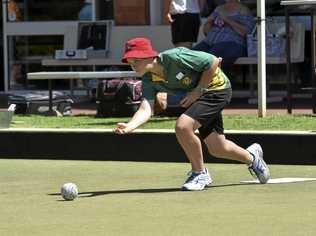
<point x="40" y="28"/>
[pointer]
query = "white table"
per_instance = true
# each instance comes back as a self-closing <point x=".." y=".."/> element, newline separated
<point x="83" y="62"/>
<point x="71" y="63"/>
<point x="297" y="2"/>
<point x="80" y="75"/>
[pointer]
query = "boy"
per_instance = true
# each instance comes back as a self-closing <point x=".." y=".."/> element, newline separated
<point x="208" y="91"/>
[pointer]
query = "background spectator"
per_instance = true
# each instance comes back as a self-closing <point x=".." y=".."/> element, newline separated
<point x="226" y="30"/>
<point x="14" y="12"/>
<point x="184" y="16"/>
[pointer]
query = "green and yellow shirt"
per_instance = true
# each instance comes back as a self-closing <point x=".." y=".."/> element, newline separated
<point x="182" y="70"/>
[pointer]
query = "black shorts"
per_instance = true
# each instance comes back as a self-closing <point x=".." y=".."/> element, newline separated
<point x="207" y="110"/>
<point x="185" y="27"/>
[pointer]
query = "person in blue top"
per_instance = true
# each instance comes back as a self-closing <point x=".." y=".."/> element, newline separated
<point x="226" y="30"/>
<point x="207" y="90"/>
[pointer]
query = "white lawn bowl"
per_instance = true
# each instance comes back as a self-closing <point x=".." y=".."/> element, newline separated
<point x="69" y="191"/>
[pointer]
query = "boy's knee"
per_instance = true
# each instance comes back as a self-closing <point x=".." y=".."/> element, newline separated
<point x="181" y="128"/>
<point x="184" y="125"/>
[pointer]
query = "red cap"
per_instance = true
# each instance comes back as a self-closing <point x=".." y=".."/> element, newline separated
<point x="138" y="48"/>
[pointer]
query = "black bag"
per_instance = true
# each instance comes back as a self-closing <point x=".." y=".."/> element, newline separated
<point x="38" y="103"/>
<point x="118" y="98"/>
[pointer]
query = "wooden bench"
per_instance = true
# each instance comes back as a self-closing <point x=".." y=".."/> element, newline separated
<point x="253" y="61"/>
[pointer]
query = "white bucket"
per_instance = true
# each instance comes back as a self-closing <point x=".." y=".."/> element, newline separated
<point x="6" y="118"/>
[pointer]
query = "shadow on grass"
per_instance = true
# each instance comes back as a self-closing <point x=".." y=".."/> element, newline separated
<point x="112" y="123"/>
<point x="152" y="190"/>
<point x="305" y="115"/>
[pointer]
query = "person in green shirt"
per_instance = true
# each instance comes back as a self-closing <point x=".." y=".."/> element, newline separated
<point x="207" y="91"/>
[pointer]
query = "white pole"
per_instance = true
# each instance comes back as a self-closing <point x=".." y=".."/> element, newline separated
<point x="261" y="15"/>
<point x="94" y="10"/>
<point x="155" y="15"/>
<point x="5" y="46"/>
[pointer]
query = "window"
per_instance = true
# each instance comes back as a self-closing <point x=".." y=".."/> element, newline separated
<point x="25" y="55"/>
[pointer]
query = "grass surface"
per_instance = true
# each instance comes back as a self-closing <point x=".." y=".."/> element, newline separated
<point x="134" y="198"/>
<point x="231" y="122"/>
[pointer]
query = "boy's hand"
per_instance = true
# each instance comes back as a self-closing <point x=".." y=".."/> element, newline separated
<point x="190" y="98"/>
<point x="122" y="128"/>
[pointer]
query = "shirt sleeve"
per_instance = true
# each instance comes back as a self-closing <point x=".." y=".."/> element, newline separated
<point x="148" y="90"/>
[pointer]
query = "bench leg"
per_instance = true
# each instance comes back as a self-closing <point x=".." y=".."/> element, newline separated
<point x="251" y="82"/>
<point x="50" y="95"/>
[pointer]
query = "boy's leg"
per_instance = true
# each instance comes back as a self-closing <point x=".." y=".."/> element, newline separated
<point x="190" y="143"/>
<point x="221" y="147"/>
<point x="199" y="113"/>
<point x="206" y="113"/>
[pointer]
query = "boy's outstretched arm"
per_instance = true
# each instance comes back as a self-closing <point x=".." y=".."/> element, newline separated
<point x="142" y="115"/>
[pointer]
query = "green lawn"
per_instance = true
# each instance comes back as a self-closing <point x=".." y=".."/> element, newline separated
<point x="231" y="122"/>
<point x="135" y="198"/>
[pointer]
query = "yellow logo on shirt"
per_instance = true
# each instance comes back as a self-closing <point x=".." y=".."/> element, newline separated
<point x="186" y="81"/>
<point x="218" y="81"/>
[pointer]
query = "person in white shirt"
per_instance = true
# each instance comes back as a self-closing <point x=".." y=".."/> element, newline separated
<point x="184" y="17"/>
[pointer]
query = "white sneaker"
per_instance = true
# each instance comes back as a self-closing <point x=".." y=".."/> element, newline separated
<point x="197" y="181"/>
<point x="258" y="167"/>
